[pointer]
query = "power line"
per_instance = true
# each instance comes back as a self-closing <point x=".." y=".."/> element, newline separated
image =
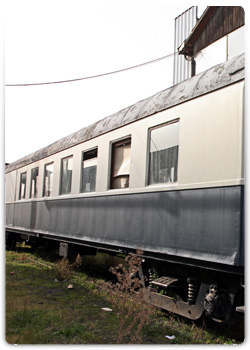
<point x="98" y="75"/>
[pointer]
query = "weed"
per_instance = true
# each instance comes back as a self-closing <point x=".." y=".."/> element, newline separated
<point x="78" y="262"/>
<point x="127" y="297"/>
<point x="40" y="311"/>
<point x="63" y="269"/>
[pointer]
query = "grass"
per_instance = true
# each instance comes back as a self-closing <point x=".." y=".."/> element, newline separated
<point x="42" y="311"/>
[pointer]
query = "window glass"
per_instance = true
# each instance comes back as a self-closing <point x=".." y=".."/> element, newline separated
<point x="89" y="166"/>
<point x="34" y="183"/>
<point x="22" y="189"/>
<point x="48" y="179"/>
<point x="66" y="175"/>
<point x="120" y="167"/>
<point x="163" y="155"/>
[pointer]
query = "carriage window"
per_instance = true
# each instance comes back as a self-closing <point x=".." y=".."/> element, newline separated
<point x="66" y="175"/>
<point x="89" y="166"/>
<point x="34" y="183"/>
<point x="120" y="167"/>
<point x="22" y="189"/>
<point x="48" y="179"/>
<point x="163" y="153"/>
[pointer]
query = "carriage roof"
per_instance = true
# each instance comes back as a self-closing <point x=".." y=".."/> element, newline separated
<point x="215" y="78"/>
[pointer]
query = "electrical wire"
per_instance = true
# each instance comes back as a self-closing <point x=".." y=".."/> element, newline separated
<point x="98" y="75"/>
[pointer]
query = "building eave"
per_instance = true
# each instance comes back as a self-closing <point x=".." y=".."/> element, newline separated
<point x="187" y="47"/>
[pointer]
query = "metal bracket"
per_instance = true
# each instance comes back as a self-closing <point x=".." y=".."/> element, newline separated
<point x="179" y="307"/>
<point x="63" y="249"/>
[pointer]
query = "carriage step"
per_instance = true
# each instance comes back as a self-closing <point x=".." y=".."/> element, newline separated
<point x="164" y="281"/>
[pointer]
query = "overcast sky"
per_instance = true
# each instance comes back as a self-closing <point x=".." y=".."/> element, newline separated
<point x="49" y="41"/>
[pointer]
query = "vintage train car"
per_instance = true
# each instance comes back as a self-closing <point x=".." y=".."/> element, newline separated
<point x="165" y="176"/>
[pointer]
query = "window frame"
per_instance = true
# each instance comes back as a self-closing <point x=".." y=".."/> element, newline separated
<point x="113" y="143"/>
<point x="61" y="176"/>
<point x="20" y="186"/>
<point x="82" y="168"/>
<point x="44" y="179"/>
<point x="147" y="182"/>
<point x="36" y="194"/>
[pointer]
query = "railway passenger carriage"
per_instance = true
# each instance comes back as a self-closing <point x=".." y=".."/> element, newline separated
<point x="164" y="175"/>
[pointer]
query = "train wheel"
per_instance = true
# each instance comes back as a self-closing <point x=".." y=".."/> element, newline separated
<point x="235" y="331"/>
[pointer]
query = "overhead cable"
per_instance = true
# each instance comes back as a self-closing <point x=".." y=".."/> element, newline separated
<point x="96" y="76"/>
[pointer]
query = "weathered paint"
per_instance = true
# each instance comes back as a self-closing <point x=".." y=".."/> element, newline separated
<point x="203" y="83"/>
<point x="210" y="149"/>
<point x="203" y="224"/>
